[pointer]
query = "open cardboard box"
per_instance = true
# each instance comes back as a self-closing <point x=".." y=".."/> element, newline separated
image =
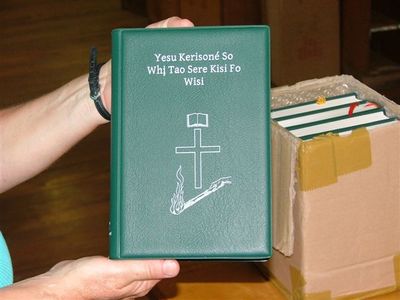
<point x="336" y="203"/>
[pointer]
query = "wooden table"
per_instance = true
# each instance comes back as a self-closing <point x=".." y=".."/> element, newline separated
<point x="224" y="280"/>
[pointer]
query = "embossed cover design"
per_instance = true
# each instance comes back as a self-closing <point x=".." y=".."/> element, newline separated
<point x="190" y="170"/>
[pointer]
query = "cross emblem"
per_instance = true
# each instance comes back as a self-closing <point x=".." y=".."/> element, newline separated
<point x="197" y="121"/>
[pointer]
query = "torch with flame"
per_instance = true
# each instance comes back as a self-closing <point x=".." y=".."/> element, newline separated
<point x="178" y="203"/>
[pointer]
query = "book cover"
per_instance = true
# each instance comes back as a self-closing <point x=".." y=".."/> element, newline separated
<point x="190" y="166"/>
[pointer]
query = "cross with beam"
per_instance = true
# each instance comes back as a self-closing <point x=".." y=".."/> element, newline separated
<point x="197" y="121"/>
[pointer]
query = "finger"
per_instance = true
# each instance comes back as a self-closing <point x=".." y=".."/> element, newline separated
<point x="138" y="289"/>
<point x="147" y="269"/>
<point x="146" y="287"/>
<point x="171" y="22"/>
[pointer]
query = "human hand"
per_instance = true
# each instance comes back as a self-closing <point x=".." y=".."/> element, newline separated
<point x="105" y="73"/>
<point x="94" y="278"/>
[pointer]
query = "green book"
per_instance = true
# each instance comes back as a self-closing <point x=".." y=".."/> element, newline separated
<point x="190" y="166"/>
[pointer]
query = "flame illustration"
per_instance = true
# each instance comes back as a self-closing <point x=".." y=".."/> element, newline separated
<point x="178" y="203"/>
<point x="177" y="200"/>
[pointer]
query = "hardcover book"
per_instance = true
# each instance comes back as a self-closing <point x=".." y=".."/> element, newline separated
<point x="339" y="115"/>
<point x="190" y="166"/>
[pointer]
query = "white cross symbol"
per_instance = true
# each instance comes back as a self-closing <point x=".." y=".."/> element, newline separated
<point x="197" y="150"/>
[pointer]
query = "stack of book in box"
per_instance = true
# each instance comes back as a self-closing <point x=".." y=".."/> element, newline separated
<point x="336" y="190"/>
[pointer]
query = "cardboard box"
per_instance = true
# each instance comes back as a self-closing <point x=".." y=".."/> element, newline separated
<point x="336" y="203"/>
<point x="305" y="40"/>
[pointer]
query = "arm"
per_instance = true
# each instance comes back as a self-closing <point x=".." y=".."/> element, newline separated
<point x="34" y="134"/>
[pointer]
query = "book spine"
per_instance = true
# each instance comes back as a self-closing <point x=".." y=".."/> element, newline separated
<point x="268" y="169"/>
<point x="116" y="166"/>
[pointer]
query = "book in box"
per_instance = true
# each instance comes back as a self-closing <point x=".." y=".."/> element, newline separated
<point x="336" y="198"/>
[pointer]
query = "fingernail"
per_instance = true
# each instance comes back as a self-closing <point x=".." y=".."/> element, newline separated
<point x="170" y="268"/>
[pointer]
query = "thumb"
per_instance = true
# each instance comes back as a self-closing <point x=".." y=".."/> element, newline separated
<point x="172" y="22"/>
<point x="148" y="269"/>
